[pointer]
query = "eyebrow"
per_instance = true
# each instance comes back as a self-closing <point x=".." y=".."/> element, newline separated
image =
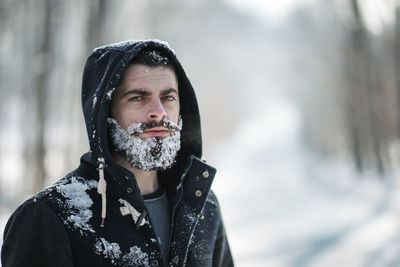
<point x="168" y="91"/>
<point x="144" y="92"/>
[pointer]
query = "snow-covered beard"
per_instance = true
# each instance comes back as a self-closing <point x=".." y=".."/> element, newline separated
<point x="153" y="153"/>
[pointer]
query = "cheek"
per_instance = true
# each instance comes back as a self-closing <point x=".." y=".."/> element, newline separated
<point x="117" y="109"/>
<point x="175" y="114"/>
<point x="124" y="115"/>
<point x="127" y="119"/>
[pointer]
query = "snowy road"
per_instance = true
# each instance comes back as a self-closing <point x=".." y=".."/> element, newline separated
<point x="282" y="207"/>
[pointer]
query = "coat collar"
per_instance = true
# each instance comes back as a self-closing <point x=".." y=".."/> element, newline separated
<point x="191" y="186"/>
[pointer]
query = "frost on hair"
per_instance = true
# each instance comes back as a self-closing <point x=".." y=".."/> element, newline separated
<point x="153" y="153"/>
<point x="152" y="57"/>
<point x="131" y="42"/>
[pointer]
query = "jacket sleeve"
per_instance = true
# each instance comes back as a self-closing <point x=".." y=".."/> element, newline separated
<point x="222" y="253"/>
<point x="35" y="236"/>
<point x="222" y="256"/>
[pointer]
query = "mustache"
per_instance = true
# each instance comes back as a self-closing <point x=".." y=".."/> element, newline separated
<point x="140" y="127"/>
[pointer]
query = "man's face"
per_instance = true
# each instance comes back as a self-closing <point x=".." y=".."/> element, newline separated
<point x="146" y="126"/>
<point x="146" y="94"/>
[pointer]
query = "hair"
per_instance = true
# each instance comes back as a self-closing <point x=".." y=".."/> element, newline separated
<point x="153" y="58"/>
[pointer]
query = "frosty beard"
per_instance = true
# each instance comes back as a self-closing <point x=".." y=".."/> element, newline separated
<point x="154" y="153"/>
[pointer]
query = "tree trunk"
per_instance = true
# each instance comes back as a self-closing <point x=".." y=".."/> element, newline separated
<point x="397" y="65"/>
<point x="366" y="100"/>
<point x="40" y="93"/>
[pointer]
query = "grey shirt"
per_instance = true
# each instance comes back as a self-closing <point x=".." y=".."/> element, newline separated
<point x="158" y="208"/>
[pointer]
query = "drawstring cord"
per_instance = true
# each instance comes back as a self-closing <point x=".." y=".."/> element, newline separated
<point x="137" y="217"/>
<point x="101" y="189"/>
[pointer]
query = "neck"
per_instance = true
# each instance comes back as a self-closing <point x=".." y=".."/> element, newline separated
<point x="146" y="180"/>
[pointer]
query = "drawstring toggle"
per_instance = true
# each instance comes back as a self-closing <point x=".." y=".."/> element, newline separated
<point x="101" y="189"/>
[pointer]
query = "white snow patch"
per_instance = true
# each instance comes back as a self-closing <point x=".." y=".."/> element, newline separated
<point x="110" y="92"/>
<point x="129" y="42"/>
<point x="135" y="128"/>
<point x="189" y="216"/>
<point x="94" y="101"/>
<point x="109" y="250"/>
<point x="179" y="186"/>
<point x="136" y="257"/>
<point x="78" y="202"/>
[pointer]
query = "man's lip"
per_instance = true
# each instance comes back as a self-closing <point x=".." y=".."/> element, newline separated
<point x="157" y="131"/>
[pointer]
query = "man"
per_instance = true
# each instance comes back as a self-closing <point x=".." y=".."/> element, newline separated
<point x="141" y="196"/>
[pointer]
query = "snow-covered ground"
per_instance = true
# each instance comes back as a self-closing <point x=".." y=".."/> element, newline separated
<point x="282" y="207"/>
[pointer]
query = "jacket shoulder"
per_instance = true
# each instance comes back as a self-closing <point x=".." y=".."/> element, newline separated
<point x="54" y="190"/>
<point x="35" y="236"/>
<point x="212" y="202"/>
<point x="212" y="198"/>
<point x="71" y="199"/>
<point x="211" y="213"/>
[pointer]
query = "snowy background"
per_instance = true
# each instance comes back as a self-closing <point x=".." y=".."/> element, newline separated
<point x="282" y="207"/>
<point x="272" y="79"/>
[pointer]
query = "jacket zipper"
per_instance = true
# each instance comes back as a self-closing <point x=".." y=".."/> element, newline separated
<point x="179" y="199"/>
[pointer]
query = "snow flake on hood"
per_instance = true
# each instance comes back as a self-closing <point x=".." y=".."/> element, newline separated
<point x="78" y="202"/>
<point x="118" y="45"/>
<point x="94" y="102"/>
<point x="110" y="92"/>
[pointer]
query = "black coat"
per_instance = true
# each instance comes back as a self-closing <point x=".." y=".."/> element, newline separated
<point x="62" y="226"/>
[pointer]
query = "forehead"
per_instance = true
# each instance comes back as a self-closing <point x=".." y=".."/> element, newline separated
<point x="147" y="77"/>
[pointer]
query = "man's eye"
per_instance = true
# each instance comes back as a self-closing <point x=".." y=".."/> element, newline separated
<point x="136" y="98"/>
<point x="169" y="98"/>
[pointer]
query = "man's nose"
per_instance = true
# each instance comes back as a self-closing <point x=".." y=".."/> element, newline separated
<point x="156" y="111"/>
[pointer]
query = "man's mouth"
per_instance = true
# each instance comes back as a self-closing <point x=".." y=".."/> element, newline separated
<point x="157" y="132"/>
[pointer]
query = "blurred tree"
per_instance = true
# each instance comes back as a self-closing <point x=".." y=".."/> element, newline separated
<point x="37" y="149"/>
<point x="97" y="12"/>
<point x="364" y="96"/>
<point x="397" y="64"/>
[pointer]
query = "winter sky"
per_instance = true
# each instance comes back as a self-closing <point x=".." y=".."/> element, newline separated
<point x="377" y="13"/>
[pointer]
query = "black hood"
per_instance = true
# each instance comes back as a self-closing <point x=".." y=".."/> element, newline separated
<point x="103" y="72"/>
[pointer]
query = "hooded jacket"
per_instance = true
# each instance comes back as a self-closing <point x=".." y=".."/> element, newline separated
<point x="63" y="226"/>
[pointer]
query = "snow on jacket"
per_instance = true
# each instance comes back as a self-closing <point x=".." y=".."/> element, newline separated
<point x="61" y="226"/>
